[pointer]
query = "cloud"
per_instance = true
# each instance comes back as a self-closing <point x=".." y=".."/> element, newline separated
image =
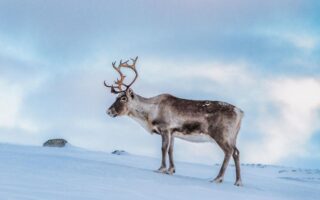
<point x="10" y="101"/>
<point x="304" y="40"/>
<point x="17" y="82"/>
<point x="286" y="132"/>
<point x="12" y="49"/>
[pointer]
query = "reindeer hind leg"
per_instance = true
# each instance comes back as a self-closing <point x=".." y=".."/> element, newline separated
<point x="236" y="158"/>
<point x="227" y="156"/>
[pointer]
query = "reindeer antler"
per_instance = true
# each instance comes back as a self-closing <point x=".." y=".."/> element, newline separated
<point x="119" y="83"/>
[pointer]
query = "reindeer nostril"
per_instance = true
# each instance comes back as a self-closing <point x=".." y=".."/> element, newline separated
<point x="111" y="113"/>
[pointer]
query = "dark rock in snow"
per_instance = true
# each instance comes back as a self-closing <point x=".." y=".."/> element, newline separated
<point x="119" y="152"/>
<point x="55" y="143"/>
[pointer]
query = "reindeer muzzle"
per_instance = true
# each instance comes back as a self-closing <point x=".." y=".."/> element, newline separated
<point x="112" y="113"/>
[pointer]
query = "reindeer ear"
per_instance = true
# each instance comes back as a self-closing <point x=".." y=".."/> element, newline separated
<point x="130" y="93"/>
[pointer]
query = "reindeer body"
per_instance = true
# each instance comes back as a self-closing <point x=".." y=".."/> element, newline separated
<point x="172" y="117"/>
<point x="195" y="121"/>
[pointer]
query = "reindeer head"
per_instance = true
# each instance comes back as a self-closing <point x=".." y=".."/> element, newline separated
<point x="125" y="93"/>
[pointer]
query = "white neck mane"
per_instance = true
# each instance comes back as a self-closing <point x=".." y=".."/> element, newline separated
<point x="140" y="110"/>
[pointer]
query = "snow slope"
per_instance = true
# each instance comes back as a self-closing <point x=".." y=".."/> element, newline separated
<point x="71" y="173"/>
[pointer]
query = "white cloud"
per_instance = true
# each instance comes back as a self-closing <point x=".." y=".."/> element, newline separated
<point x="285" y="133"/>
<point x="211" y="77"/>
<point x="300" y="94"/>
<point x="11" y="48"/>
<point x="304" y="41"/>
<point x="301" y="39"/>
<point x="12" y="102"/>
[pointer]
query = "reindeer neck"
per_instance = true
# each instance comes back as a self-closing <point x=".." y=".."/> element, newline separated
<point x="140" y="108"/>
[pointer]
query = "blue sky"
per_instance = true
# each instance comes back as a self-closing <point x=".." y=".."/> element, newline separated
<point x="261" y="56"/>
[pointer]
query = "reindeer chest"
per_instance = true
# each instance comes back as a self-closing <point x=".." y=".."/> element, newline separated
<point x="144" y="122"/>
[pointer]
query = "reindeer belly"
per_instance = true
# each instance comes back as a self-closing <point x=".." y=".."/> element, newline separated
<point x="194" y="137"/>
<point x="193" y="131"/>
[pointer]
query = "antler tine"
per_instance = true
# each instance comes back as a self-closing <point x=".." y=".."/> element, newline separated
<point x="112" y="88"/>
<point x="105" y="84"/>
<point x="134" y="61"/>
<point x="133" y="67"/>
<point x="119" y="82"/>
<point x="125" y="63"/>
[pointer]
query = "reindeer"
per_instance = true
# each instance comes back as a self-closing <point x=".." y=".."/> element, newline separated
<point x="172" y="117"/>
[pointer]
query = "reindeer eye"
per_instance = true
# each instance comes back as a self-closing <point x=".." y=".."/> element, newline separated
<point x="124" y="99"/>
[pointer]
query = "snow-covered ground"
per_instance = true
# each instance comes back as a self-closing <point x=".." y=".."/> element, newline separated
<point x="71" y="173"/>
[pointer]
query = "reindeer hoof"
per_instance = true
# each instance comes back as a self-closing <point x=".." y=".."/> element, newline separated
<point x="217" y="180"/>
<point x="162" y="170"/>
<point x="238" y="183"/>
<point x="171" y="171"/>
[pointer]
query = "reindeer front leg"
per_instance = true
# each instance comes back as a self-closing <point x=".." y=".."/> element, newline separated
<point x="164" y="149"/>
<point x="171" y="167"/>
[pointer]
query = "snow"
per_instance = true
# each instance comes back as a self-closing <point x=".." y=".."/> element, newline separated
<point x="30" y="173"/>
